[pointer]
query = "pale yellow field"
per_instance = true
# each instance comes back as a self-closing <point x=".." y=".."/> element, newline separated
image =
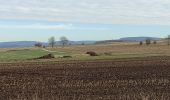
<point x="118" y="48"/>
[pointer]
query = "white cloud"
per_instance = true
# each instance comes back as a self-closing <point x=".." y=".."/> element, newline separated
<point x="39" y="26"/>
<point x="89" y="11"/>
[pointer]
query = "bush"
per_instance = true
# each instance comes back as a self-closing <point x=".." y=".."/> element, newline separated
<point x="48" y="56"/>
<point x="91" y="53"/>
<point x="148" y="41"/>
<point x="44" y="46"/>
<point x="141" y="43"/>
<point x="154" y="42"/>
<point x="38" y="45"/>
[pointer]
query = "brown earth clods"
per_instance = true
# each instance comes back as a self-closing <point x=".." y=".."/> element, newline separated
<point x="48" y="56"/>
<point x="92" y="53"/>
<point x="86" y="80"/>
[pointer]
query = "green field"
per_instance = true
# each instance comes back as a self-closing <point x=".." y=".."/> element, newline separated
<point x="25" y="54"/>
<point x="21" y="54"/>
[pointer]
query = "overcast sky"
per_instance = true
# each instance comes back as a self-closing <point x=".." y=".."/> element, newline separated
<point x="83" y="19"/>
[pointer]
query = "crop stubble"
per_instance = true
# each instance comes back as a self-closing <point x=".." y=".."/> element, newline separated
<point x="82" y="80"/>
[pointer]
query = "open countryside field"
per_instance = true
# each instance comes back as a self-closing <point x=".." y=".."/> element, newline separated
<point x="143" y="75"/>
<point x="24" y="54"/>
<point x="78" y="52"/>
<point x="86" y="80"/>
<point x="116" y="50"/>
<point x="20" y="54"/>
<point x="84" y="50"/>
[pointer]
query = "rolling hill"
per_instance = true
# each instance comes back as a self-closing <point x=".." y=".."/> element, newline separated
<point x="16" y="44"/>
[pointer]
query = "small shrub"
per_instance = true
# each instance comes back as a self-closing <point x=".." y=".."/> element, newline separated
<point x="48" y="56"/>
<point x="44" y="46"/>
<point x="154" y="42"/>
<point x="38" y="45"/>
<point x="148" y="41"/>
<point x="92" y="53"/>
<point x="141" y="43"/>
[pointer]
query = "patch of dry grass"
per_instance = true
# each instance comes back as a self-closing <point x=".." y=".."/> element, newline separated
<point x="118" y="48"/>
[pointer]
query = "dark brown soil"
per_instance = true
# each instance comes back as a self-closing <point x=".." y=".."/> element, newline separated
<point x="86" y="80"/>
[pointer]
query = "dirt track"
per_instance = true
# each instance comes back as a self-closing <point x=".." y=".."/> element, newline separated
<point x="82" y="80"/>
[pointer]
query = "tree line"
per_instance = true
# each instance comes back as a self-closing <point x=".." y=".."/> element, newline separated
<point x="63" y="40"/>
<point x="148" y="41"/>
<point x="52" y="42"/>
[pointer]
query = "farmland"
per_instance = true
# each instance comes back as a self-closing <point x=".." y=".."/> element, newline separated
<point x="84" y="50"/>
<point x="21" y="54"/>
<point x="81" y="80"/>
<point x="125" y="71"/>
<point x="78" y="52"/>
<point x="116" y="50"/>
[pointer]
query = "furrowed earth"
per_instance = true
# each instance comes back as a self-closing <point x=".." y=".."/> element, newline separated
<point x="130" y="79"/>
<point x="120" y="71"/>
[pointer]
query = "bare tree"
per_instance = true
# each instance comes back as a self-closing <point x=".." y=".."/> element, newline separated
<point x="168" y="40"/>
<point x="154" y="42"/>
<point x="148" y="41"/>
<point x="52" y="41"/>
<point x="64" y="40"/>
<point x="141" y="43"/>
<point x="38" y="44"/>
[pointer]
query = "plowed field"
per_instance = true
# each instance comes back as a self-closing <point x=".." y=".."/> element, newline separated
<point x="86" y="80"/>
